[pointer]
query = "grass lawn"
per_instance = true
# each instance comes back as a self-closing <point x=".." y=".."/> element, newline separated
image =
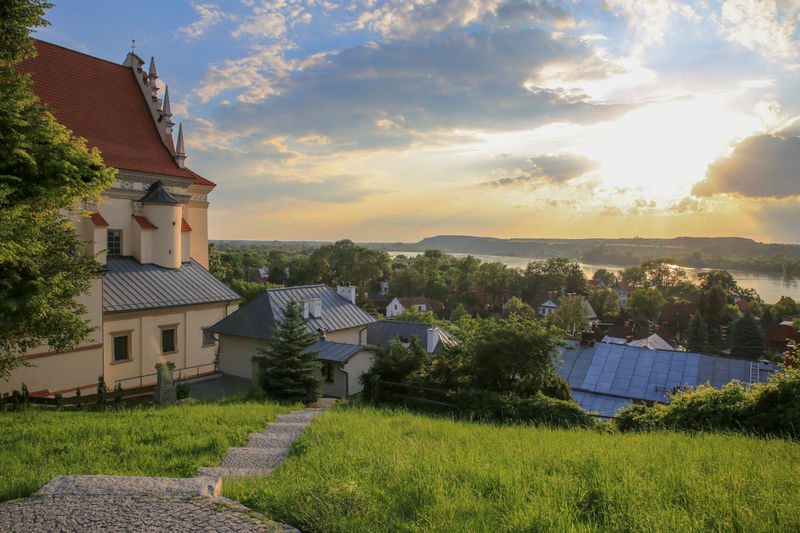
<point x="357" y="469"/>
<point x="36" y="444"/>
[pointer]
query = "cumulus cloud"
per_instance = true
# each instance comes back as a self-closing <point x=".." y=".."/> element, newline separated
<point x="765" y="26"/>
<point x="210" y="15"/>
<point x="688" y="204"/>
<point x="556" y="169"/>
<point x="761" y="166"/>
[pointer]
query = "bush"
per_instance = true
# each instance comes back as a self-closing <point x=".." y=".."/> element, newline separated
<point x="537" y="409"/>
<point x="764" y="408"/>
<point x="182" y="390"/>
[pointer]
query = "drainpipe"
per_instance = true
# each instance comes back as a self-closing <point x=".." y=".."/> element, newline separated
<point x="346" y="381"/>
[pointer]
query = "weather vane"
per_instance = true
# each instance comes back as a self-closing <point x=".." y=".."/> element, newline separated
<point x="133" y="46"/>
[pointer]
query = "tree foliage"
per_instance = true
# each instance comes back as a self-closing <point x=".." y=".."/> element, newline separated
<point x="605" y="303"/>
<point x="747" y="339"/>
<point x="570" y="315"/>
<point x="608" y="278"/>
<point x="648" y="301"/>
<point x="697" y="334"/>
<point x="288" y="370"/>
<point x="43" y="173"/>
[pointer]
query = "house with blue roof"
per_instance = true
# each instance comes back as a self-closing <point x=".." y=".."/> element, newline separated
<point x="331" y="314"/>
<point x="605" y="377"/>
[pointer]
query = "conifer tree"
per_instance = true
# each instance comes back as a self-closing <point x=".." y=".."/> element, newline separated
<point x="697" y="334"/>
<point x="289" y="371"/>
<point x="747" y="339"/>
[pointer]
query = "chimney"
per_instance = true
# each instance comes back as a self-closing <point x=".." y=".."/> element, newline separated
<point x="628" y="339"/>
<point x="306" y="308"/>
<point x="315" y="305"/>
<point x="587" y="338"/>
<point x="348" y="292"/>
<point x="432" y="339"/>
<point x="180" y="153"/>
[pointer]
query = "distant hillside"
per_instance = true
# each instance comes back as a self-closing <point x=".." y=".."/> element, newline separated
<point x="716" y="252"/>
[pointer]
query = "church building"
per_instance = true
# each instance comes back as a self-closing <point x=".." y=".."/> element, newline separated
<point x="154" y="297"/>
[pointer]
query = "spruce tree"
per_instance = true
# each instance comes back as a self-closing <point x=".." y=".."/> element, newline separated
<point x="697" y="334"/>
<point x="747" y="339"/>
<point x="289" y="371"/>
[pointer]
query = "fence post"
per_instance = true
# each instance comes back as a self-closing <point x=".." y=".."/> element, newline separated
<point x="375" y="384"/>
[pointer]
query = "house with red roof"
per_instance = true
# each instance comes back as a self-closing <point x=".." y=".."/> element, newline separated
<point x="154" y="297"/>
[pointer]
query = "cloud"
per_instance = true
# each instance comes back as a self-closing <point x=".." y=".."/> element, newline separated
<point x="210" y="15"/>
<point x="257" y="75"/>
<point x="761" y="25"/>
<point x="556" y="169"/>
<point x="688" y="204"/>
<point x="761" y="166"/>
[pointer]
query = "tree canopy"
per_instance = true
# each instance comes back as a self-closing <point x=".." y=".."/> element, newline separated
<point x="44" y="174"/>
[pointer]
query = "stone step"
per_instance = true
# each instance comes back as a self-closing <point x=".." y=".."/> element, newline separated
<point x="294" y="418"/>
<point x="222" y="471"/>
<point x="270" y="440"/>
<point x="287" y="426"/>
<point x="254" y="457"/>
<point x="160" y="486"/>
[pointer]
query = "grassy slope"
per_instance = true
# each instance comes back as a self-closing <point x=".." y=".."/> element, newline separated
<point x="36" y="445"/>
<point x="361" y="470"/>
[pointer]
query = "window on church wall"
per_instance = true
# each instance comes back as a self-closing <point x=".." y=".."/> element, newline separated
<point x="168" y="336"/>
<point x="208" y="337"/>
<point x="114" y="243"/>
<point x="121" y="347"/>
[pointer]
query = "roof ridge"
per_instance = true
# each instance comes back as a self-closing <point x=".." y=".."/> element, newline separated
<point x="275" y="289"/>
<point x="83" y="53"/>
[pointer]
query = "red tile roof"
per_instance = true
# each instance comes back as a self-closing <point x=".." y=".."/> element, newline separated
<point x="101" y="101"/>
<point x="185" y="225"/>
<point x="143" y="222"/>
<point x="98" y="219"/>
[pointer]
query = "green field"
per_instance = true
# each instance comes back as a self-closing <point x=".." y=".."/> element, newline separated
<point x="356" y="469"/>
<point x="37" y="444"/>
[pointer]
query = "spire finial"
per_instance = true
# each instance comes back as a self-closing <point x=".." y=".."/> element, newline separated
<point x="152" y="71"/>
<point x="180" y="153"/>
<point x="165" y="107"/>
<point x="133" y="46"/>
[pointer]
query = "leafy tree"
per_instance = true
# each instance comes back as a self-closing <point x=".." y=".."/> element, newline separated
<point x="697" y="334"/>
<point x="662" y="273"/>
<point x="723" y="278"/>
<point x="785" y="307"/>
<point x="747" y="339"/>
<point x="608" y="278"/>
<point x="507" y="355"/>
<point x="605" y="303"/>
<point x="712" y="305"/>
<point x="634" y="276"/>
<point x="406" y="282"/>
<point x="459" y="311"/>
<point x="437" y="290"/>
<point x="412" y="315"/>
<point x="397" y="362"/>
<point x="570" y="315"/>
<point x="648" y="301"/>
<point x="496" y="278"/>
<point x="289" y="370"/>
<point x="43" y="171"/>
<point x="575" y="279"/>
<point x="515" y="306"/>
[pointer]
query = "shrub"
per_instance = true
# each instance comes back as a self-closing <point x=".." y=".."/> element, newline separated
<point x="764" y="408"/>
<point x="537" y="409"/>
<point x="182" y="390"/>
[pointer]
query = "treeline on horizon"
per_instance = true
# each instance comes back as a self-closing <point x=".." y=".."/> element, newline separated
<point x="729" y="253"/>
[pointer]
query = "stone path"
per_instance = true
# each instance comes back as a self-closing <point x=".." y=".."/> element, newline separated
<point x="121" y="503"/>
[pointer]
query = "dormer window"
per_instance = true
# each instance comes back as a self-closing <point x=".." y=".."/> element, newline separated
<point x="114" y="245"/>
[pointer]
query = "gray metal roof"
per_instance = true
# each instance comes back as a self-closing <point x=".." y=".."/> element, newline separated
<point x="384" y="332"/>
<point x="130" y="286"/>
<point x="259" y="317"/>
<point x="638" y="373"/>
<point x="654" y="342"/>
<point x="157" y="194"/>
<point x="336" y="352"/>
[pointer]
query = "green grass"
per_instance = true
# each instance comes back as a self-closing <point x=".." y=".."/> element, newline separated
<point x="37" y="444"/>
<point x="356" y="469"/>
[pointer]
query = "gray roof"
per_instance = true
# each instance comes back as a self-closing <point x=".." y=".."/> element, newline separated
<point x="336" y="352"/>
<point x="257" y="318"/>
<point x="384" y="332"/>
<point x="130" y="286"/>
<point x="157" y="194"/>
<point x="654" y="342"/>
<point x="637" y="373"/>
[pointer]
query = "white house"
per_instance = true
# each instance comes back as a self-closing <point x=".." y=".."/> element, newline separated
<point x="154" y="299"/>
<point x="417" y="303"/>
<point x="546" y="305"/>
<point x="623" y="292"/>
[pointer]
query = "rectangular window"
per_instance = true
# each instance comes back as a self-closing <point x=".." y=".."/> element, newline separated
<point x="208" y="337"/>
<point x="327" y="372"/>
<point x="167" y="340"/>
<point x="114" y="241"/>
<point x="121" y="348"/>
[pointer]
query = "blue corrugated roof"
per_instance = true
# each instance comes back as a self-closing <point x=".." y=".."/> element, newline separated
<point x="130" y="286"/>
<point x="638" y="373"/>
<point x="383" y="332"/>
<point x="336" y="352"/>
<point x="258" y="317"/>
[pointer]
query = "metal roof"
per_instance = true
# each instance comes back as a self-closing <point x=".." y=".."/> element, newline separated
<point x="157" y="194"/>
<point x="654" y="342"/>
<point x="130" y="286"/>
<point x="336" y="352"/>
<point x="383" y="332"/>
<point x="259" y="317"/>
<point x="638" y="373"/>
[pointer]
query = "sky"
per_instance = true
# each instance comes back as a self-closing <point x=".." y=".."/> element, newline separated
<point x="395" y="120"/>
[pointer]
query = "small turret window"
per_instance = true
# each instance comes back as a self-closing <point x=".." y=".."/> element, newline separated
<point x="114" y="245"/>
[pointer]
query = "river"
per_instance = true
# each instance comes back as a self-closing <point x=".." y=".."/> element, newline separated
<point x="769" y="287"/>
